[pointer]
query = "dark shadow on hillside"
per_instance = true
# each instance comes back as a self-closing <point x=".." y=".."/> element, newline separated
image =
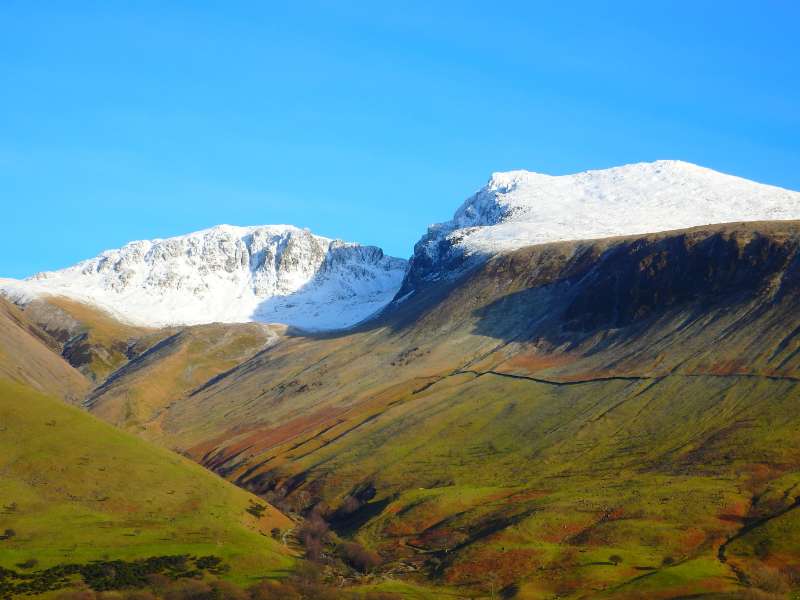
<point x="613" y="284"/>
<point x="633" y="283"/>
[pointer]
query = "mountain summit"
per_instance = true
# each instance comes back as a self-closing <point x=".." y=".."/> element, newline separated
<point x="521" y="208"/>
<point x="272" y="273"/>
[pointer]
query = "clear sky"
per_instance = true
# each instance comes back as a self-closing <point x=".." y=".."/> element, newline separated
<point x="363" y="121"/>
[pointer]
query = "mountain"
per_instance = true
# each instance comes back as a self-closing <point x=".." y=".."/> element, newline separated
<point x="562" y="400"/>
<point x="603" y="418"/>
<point x="273" y="273"/>
<point x="521" y="208"/>
<point x="282" y="274"/>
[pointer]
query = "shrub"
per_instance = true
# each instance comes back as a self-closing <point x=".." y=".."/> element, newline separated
<point x="359" y="557"/>
<point x="792" y="574"/>
<point x="308" y="580"/>
<point x="313" y="534"/>
<point x="257" y="510"/>
<point x="306" y="572"/>
<point x="212" y="564"/>
<point x="615" y="559"/>
<point x="158" y="582"/>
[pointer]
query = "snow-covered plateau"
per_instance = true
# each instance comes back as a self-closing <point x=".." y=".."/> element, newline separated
<point x="273" y="273"/>
<point x="282" y="274"/>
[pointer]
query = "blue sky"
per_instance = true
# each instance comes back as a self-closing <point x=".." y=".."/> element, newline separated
<point x="364" y="121"/>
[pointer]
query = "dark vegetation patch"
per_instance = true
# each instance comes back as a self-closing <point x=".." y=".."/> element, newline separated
<point x="256" y="509"/>
<point x="306" y="583"/>
<point x="104" y="575"/>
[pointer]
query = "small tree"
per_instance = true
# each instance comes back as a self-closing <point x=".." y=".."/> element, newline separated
<point x="615" y="559"/>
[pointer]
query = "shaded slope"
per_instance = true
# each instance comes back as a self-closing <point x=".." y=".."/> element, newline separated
<point x="559" y="405"/>
<point x="75" y="490"/>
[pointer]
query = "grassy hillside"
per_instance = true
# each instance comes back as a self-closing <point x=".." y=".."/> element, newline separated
<point x="140" y="391"/>
<point x="28" y="355"/>
<point x="613" y="418"/>
<point x="75" y="490"/>
<point x="136" y="371"/>
<point x="91" y="340"/>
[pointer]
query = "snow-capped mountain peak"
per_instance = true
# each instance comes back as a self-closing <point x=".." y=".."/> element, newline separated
<point x="283" y="274"/>
<point x="272" y="273"/>
<point x="522" y="208"/>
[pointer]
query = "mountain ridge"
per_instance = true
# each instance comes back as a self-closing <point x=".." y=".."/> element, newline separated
<point x="271" y="273"/>
<point x="287" y="275"/>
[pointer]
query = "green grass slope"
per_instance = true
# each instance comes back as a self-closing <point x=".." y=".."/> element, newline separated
<point x="75" y="490"/>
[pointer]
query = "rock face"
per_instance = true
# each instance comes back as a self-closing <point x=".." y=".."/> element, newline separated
<point x="520" y="208"/>
<point x="230" y="274"/>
